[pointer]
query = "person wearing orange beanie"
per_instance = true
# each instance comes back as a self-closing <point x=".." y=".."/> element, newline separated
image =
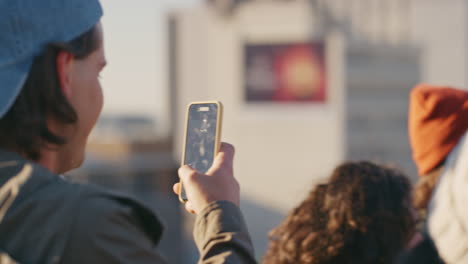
<point x="438" y="122"/>
<point x="438" y="118"/>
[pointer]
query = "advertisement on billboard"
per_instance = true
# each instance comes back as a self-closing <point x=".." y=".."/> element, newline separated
<point x="285" y="73"/>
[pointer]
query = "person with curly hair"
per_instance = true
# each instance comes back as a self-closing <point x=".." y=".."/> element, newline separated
<point x="362" y="214"/>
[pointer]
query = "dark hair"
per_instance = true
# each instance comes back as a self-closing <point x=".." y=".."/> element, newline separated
<point x="24" y="127"/>
<point x="361" y="215"/>
<point x="425" y="186"/>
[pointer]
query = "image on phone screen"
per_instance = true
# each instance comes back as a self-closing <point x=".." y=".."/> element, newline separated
<point x="201" y="136"/>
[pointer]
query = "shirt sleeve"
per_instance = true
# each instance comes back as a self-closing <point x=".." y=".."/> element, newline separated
<point x="111" y="231"/>
<point x="221" y="235"/>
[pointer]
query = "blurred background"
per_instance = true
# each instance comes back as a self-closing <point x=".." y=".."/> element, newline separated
<point x="306" y="84"/>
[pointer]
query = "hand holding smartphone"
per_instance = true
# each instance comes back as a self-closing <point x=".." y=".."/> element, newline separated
<point x="202" y="137"/>
<point x="218" y="184"/>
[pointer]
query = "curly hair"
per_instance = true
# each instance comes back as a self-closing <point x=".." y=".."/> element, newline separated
<point x="361" y="215"/>
<point x="424" y="188"/>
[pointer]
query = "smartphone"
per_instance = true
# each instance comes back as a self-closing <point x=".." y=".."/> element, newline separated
<point x="202" y="137"/>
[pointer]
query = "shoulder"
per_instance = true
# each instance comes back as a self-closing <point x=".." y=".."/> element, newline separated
<point x="111" y="228"/>
<point x="91" y="205"/>
<point x="105" y="211"/>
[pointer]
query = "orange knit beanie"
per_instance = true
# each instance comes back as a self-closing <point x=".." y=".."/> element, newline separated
<point x="438" y="118"/>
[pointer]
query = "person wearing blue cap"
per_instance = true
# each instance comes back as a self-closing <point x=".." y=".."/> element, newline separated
<point x="51" y="54"/>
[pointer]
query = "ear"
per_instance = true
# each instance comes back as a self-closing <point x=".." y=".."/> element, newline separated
<point x="64" y="67"/>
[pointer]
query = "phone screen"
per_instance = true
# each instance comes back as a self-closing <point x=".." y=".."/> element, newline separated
<point x="201" y="136"/>
<point x="200" y="140"/>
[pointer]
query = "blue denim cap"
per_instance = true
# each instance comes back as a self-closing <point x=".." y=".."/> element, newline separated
<point x="27" y="26"/>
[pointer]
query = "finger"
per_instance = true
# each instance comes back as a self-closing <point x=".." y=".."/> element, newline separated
<point x="189" y="207"/>
<point x="186" y="173"/>
<point x="176" y="188"/>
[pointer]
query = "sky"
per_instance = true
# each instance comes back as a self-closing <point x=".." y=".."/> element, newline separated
<point x="134" y="81"/>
